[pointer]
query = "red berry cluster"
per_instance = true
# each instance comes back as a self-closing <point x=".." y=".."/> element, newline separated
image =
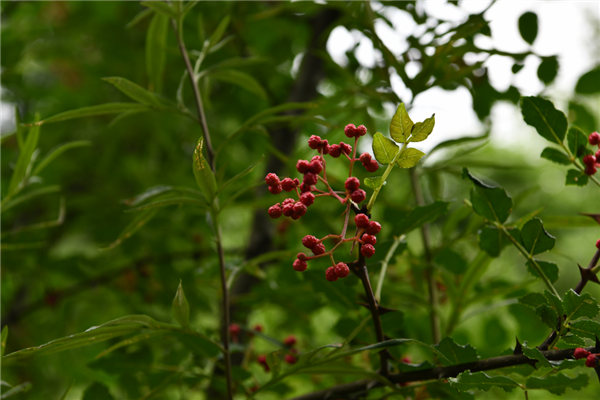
<point x="235" y="330"/>
<point x="289" y="358"/>
<point x="591" y="360"/>
<point x="592" y="161"/>
<point x="314" y="171"/>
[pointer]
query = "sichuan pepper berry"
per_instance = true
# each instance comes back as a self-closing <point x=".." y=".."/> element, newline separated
<point x="367" y="250"/>
<point x="330" y="274"/>
<point x="341" y="270"/>
<point x="373" y="228"/>
<point x="594" y="138"/>
<point x="580" y="353"/>
<point x="290" y="359"/>
<point x="361" y="221"/>
<point x="369" y="239"/>
<point x="275" y="211"/>
<point x="309" y="241"/>
<point x="290" y="341"/>
<point x="300" y="266"/>
<point x="591" y="361"/>
<point x="358" y="196"/>
<point x="352" y="184"/>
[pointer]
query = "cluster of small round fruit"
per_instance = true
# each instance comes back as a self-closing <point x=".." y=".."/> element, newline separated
<point x="289" y="358"/>
<point x="591" y="360"/>
<point x="315" y="171"/>
<point x="592" y="161"/>
<point x="235" y="330"/>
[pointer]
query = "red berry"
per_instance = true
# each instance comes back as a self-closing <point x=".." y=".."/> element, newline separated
<point x="287" y="201"/>
<point x="272" y="179"/>
<point x="591" y="361"/>
<point x="335" y="151"/>
<point x="325" y="147"/>
<point x="307" y="198"/>
<point x="330" y="274"/>
<point x="309" y="241"/>
<point x="290" y="341"/>
<point x="341" y="270"/>
<point x="590" y="170"/>
<point x="300" y="266"/>
<point x="405" y="360"/>
<point x="275" y="189"/>
<point x="346" y="148"/>
<point x="373" y="228"/>
<point x="288" y="184"/>
<point x="365" y="158"/>
<point x="304" y="188"/>
<point x="302" y="257"/>
<point x="594" y="138"/>
<point x="275" y="211"/>
<point x="310" y="178"/>
<point x="290" y="359"/>
<point x="361" y="130"/>
<point x="352" y="183"/>
<point x="598" y="244"/>
<point x="314" y="142"/>
<point x="358" y="196"/>
<point x="316" y="158"/>
<point x="316" y="167"/>
<point x="261" y="359"/>
<point x="350" y="130"/>
<point x="303" y="166"/>
<point x="580" y="353"/>
<point x="589" y="160"/>
<point x="367" y="250"/>
<point x="288" y="210"/>
<point x="597" y="155"/>
<point x="299" y="209"/>
<point x="361" y="221"/>
<point x="318" y="249"/>
<point x="234" y="329"/>
<point x="257" y="328"/>
<point x="369" y="239"/>
<point x="371" y="166"/>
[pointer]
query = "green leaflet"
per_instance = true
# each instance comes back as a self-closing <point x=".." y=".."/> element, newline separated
<point x="456" y="354"/>
<point x="558" y="383"/>
<point x="422" y="130"/>
<point x="204" y="175"/>
<point x="481" y="381"/>
<point x="550" y="123"/>
<point x="181" y="308"/>
<point x="409" y="157"/>
<point x="535" y="238"/>
<point x="577" y="306"/>
<point x="488" y="201"/>
<point x="401" y="125"/>
<point x="385" y="149"/>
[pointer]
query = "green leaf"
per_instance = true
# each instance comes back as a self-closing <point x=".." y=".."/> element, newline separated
<point x="576" y="178"/>
<point x="456" y="354"/>
<point x="401" y="125"/>
<point x="558" y="383"/>
<point x="554" y="155"/>
<point x="171" y="201"/>
<point x="3" y="340"/>
<point x="548" y="69"/>
<point x="66" y="392"/>
<point x="131" y="340"/>
<point x="181" y="308"/>
<point x="57" y="151"/>
<point x="158" y="190"/>
<point x="589" y="82"/>
<point x="467" y="381"/>
<point x="22" y="388"/>
<point x="550" y="123"/>
<point x="457" y="142"/>
<point x="535" y="354"/>
<point x="573" y="341"/>
<point x="409" y="157"/>
<point x="17" y="180"/>
<point x="138" y="93"/>
<point x="385" y="149"/>
<point x="451" y="261"/>
<point x="567" y="364"/>
<point x="533" y="300"/>
<point x="535" y="238"/>
<point x="421" y="215"/>
<point x="585" y="329"/>
<point x="156" y="43"/>
<point x="139" y="221"/>
<point x="161" y="8"/>
<point x="218" y="33"/>
<point x="139" y="18"/>
<point x="528" y="26"/>
<point x="548" y="316"/>
<point x="28" y="196"/>
<point x="97" y="391"/>
<point x="241" y="79"/>
<point x="488" y="201"/>
<point x="374" y="182"/>
<point x="577" y="141"/>
<point x="240" y="175"/>
<point x="422" y="130"/>
<point x="20" y="129"/>
<point x="577" y="306"/>
<point x="550" y="269"/>
<point x="204" y="175"/>
<point x="102" y="109"/>
<point x="492" y="240"/>
<point x="555" y="303"/>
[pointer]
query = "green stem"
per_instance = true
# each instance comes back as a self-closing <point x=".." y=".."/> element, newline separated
<point x="383" y="178"/>
<point x="384" y="266"/>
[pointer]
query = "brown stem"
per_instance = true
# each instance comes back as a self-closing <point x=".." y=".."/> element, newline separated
<point x="431" y="286"/>
<point x="437" y="373"/>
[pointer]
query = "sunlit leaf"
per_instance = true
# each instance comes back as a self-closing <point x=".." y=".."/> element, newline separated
<point x="385" y="149"/>
<point x="401" y="125"/>
<point x="422" y="130"/>
<point x="409" y="157"/>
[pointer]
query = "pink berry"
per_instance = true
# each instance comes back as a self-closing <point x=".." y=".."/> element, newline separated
<point x="302" y="257"/>
<point x="335" y="151"/>
<point x="290" y="359"/>
<point x="234" y="329"/>
<point x="589" y="160"/>
<point x="361" y="221"/>
<point x="303" y="166"/>
<point x="352" y="183"/>
<point x="367" y="250"/>
<point x="275" y="189"/>
<point x="361" y="130"/>
<point x="304" y="188"/>
<point x="288" y="201"/>
<point x="290" y="341"/>
<point x="371" y="166"/>
<point x="594" y="138"/>
<point x="318" y="249"/>
<point x="275" y="211"/>
<point x="288" y="184"/>
<point x="307" y="198"/>
<point x="314" y="142"/>
<point x="325" y="146"/>
<point x="299" y="209"/>
<point x="316" y="167"/>
<point x="580" y="353"/>
<point x="341" y="270"/>
<point x="598" y="244"/>
<point x="365" y="158"/>
<point x="369" y="239"/>
<point x="330" y="274"/>
<point x="350" y="130"/>
<point x="597" y="155"/>
<point x="373" y="228"/>
<point x="591" y="361"/>
<point x="272" y="179"/>
<point x="309" y="241"/>
<point x="358" y="196"/>
<point x="300" y="266"/>
<point x="310" y="178"/>
<point x="261" y="359"/>
<point x="288" y="210"/>
<point x="590" y="170"/>
<point x="346" y="148"/>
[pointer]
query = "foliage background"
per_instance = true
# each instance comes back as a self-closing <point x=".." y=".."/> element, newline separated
<point x="53" y="54"/>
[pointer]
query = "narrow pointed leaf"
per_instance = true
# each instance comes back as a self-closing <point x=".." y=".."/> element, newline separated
<point x="156" y="43"/>
<point x="457" y="142"/>
<point x="409" y="157"/>
<point x="240" y="175"/>
<point x="25" y="154"/>
<point x="385" y="149"/>
<point x="579" y="306"/>
<point x="138" y="93"/>
<point x="481" y="381"/>
<point x="401" y="125"/>
<point x="535" y="238"/>
<point x="140" y="220"/>
<point x="241" y="79"/>
<point x="102" y="109"/>
<point x="204" y="175"/>
<point x="161" y="8"/>
<point x="181" y="308"/>
<point x="218" y="33"/>
<point x="28" y="196"/>
<point x="550" y="123"/>
<point x="422" y="130"/>
<point x="57" y="152"/>
<point x="171" y="201"/>
<point x="22" y="388"/>
<point x="139" y="17"/>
